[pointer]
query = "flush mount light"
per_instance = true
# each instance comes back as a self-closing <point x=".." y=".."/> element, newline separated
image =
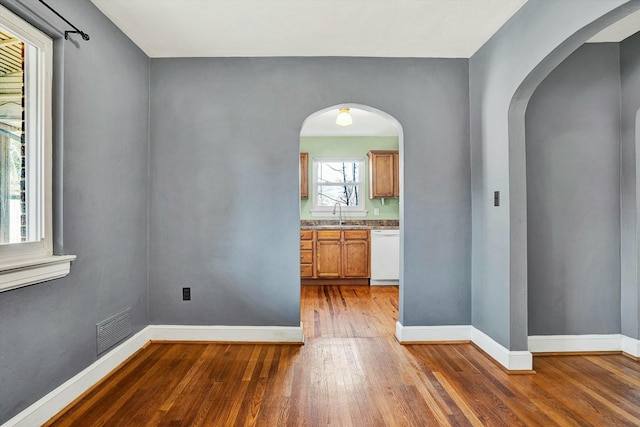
<point x="344" y="118"/>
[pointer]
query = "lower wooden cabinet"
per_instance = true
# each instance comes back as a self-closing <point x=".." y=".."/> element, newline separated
<point x="306" y="253"/>
<point x="328" y="258"/>
<point x="355" y="255"/>
<point x="337" y="254"/>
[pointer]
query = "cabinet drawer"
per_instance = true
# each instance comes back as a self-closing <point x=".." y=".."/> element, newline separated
<point x="306" y="270"/>
<point x="306" y="244"/>
<point x="306" y="234"/>
<point x="356" y="234"/>
<point x="328" y="234"/>
<point x="306" y="257"/>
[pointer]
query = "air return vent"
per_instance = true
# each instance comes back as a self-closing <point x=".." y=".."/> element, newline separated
<point x="112" y="330"/>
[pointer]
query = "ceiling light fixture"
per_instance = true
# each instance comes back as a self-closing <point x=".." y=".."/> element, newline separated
<point x="344" y="118"/>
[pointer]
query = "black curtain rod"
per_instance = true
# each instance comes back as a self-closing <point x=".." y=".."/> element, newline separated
<point x="84" y="35"/>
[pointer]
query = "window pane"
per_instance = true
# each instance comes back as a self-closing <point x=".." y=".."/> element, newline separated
<point x="338" y="172"/>
<point x="346" y="195"/>
<point x="13" y="150"/>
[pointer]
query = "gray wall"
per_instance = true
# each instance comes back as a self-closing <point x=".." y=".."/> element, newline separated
<point x="503" y="74"/>
<point x="47" y="331"/>
<point x="573" y="196"/>
<point x="224" y="214"/>
<point x="630" y="78"/>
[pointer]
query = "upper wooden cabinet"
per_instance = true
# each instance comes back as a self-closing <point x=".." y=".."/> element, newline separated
<point x="304" y="175"/>
<point x="384" y="181"/>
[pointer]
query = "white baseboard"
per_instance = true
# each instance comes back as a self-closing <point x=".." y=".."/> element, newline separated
<point x="48" y="406"/>
<point x="277" y="334"/>
<point x="408" y="334"/>
<point x="630" y="346"/>
<point x="511" y="360"/>
<point x="584" y="343"/>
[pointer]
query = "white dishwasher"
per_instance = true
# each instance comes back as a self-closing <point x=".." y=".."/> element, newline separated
<point x="385" y="257"/>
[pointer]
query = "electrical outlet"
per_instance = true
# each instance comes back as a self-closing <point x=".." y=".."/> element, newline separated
<point x="376" y="211"/>
<point x="496" y="198"/>
<point x="186" y="294"/>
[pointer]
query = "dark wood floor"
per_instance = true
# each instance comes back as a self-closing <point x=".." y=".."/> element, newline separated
<point x="352" y="372"/>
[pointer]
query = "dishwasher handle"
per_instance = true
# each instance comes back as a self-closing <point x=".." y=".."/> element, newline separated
<point x="385" y="233"/>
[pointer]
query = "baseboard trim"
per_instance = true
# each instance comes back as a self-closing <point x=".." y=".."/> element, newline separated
<point x="630" y="346"/>
<point x="255" y="334"/>
<point x="589" y="343"/>
<point x="55" y="401"/>
<point x="51" y="404"/>
<point x="510" y="360"/>
<point x="426" y="334"/>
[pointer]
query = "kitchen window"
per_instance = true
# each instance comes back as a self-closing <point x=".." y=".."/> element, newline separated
<point x="26" y="244"/>
<point x="338" y="181"/>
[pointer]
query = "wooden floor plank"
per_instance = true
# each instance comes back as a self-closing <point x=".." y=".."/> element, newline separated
<point x="352" y="371"/>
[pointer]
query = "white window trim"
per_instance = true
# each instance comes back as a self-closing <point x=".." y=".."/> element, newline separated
<point x="347" y="211"/>
<point x="24" y="264"/>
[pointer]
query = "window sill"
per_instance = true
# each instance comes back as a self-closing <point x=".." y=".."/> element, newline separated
<point x="345" y="214"/>
<point x="29" y="272"/>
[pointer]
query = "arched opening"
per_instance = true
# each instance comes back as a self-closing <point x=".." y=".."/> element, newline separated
<point x="573" y="200"/>
<point x="351" y="185"/>
<point x="518" y="239"/>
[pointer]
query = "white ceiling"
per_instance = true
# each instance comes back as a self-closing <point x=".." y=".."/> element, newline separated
<point x="618" y="31"/>
<point x="365" y="123"/>
<point x="253" y="28"/>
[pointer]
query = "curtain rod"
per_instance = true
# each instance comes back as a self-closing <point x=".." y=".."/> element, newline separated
<point x="84" y="35"/>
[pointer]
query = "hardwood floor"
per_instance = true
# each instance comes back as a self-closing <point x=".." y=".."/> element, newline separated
<point x="352" y="372"/>
<point x="349" y="311"/>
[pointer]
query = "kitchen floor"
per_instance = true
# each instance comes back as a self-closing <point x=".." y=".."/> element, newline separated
<point x="339" y="311"/>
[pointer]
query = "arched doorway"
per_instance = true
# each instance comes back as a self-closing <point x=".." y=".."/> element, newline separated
<point x="350" y="210"/>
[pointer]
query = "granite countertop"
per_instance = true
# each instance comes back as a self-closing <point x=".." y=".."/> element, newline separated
<point x="314" y="224"/>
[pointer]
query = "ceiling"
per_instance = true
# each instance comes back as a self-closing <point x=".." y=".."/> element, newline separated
<point x="257" y="28"/>
<point x="356" y="28"/>
<point x="618" y="31"/>
<point x="365" y="123"/>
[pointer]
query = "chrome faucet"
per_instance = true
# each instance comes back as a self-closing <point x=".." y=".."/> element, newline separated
<point x="339" y="206"/>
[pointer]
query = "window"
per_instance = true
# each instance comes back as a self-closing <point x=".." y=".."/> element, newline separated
<point x="26" y="248"/>
<point x="338" y="181"/>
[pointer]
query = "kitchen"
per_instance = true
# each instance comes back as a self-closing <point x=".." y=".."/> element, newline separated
<point x="349" y="197"/>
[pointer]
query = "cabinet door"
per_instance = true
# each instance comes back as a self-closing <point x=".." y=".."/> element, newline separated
<point x="328" y="259"/>
<point x="355" y="258"/>
<point x="382" y="174"/>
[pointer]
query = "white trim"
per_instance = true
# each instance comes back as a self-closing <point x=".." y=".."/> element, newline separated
<point x="54" y="402"/>
<point x="407" y="334"/>
<point x="281" y="334"/>
<point x="49" y="405"/>
<point x="511" y="360"/>
<point x="25" y="273"/>
<point x="384" y="282"/>
<point x="631" y="346"/>
<point x="345" y="213"/>
<point x="575" y="343"/>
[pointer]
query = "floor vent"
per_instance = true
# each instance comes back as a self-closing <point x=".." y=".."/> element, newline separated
<point x="112" y="330"/>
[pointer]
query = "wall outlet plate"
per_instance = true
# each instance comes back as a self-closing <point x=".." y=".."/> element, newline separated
<point x="376" y="211"/>
<point x="186" y="294"/>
